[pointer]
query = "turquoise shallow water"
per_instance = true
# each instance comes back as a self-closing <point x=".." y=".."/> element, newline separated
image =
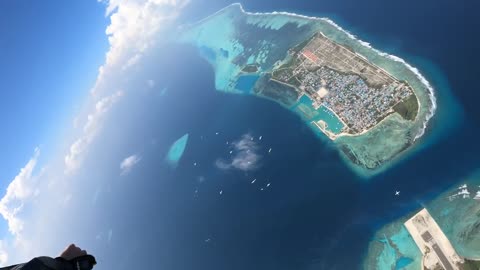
<point x="402" y="263"/>
<point x="233" y="38"/>
<point x="175" y="152"/>
<point x="306" y="111"/>
<point x="333" y="123"/>
<point x="245" y="83"/>
<point x="458" y="218"/>
<point x="394" y="247"/>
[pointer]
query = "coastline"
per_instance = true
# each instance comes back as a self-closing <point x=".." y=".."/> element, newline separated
<point x="365" y="44"/>
<point x="353" y="37"/>
<point x="457" y="218"/>
<point x="226" y="72"/>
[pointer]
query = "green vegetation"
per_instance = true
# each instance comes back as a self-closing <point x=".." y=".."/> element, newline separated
<point x="250" y="68"/>
<point x="470" y="265"/>
<point x="293" y="81"/>
<point x="282" y="72"/>
<point x="408" y="108"/>
<point x="290" y="64"/>
<point x="300" y="46"/>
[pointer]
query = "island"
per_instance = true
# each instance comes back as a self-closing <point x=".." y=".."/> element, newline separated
<point x="176" y="150"/>
<point x="372" y="106"/>
<point x="445" y="234"/>
<point x="355" y="92"/>
<point x="437" y="251"/>
<point x="250" y="69"/>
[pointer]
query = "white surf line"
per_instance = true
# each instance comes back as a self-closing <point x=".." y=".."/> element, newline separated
<point x="414" y="70"/>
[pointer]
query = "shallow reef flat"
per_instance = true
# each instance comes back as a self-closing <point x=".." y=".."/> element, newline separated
<point x="457" y="216"/>
<point x="233" y="40"/>
<point x="393" y="248"/>
<point x="176" y="150"/>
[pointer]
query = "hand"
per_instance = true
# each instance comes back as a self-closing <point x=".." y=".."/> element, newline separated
<point x="72" y="252"/>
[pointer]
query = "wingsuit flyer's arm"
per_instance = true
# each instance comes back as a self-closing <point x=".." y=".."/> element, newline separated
<point x="72" y="258"/>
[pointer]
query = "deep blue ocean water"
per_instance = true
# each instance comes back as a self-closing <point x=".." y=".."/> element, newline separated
<point x="317" y="214"/>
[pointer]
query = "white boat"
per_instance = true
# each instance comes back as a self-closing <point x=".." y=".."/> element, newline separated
<point x="477" y="197"/>
<point x="462" y="186"/>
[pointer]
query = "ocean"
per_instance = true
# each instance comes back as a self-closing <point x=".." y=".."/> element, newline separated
<point x="317" y="213"/>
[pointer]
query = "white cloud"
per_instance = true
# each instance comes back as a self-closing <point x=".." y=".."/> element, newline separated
<point x="128" y="163"/>
<point x="3" y="253"/>
<point x="18" y="191"/>
<point x="94" y="122"/>
<point x="134" y="27"/>
<point x="245" y="156"/>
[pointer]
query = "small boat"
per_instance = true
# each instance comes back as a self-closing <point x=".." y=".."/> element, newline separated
<point x="477" y="197"/>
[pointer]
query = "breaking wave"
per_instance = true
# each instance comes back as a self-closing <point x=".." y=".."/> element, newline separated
<point x="433" y="100"/>
<point x="423" y="80"/>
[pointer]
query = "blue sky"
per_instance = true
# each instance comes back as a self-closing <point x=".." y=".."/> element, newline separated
<point x="50" y="52"/>
<point x="66" y="66"/>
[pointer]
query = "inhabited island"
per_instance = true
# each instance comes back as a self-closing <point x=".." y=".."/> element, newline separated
<point x="373" y="106"/>
<point x="356" y="92"/>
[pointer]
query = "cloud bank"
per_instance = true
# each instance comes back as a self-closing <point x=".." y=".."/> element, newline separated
<point x="134" y="29"/>
<point x="245" y="155"/>
<point x="74" y="157"/>
<point x="20" y="189"/>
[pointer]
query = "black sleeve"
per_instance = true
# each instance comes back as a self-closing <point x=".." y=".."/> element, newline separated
<point x="85" y="262"/>
<point x="34" y="264"/>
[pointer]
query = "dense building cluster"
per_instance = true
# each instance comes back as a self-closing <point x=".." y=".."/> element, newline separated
<point x="357" y="104"/>
<point x="360" y="93"/>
